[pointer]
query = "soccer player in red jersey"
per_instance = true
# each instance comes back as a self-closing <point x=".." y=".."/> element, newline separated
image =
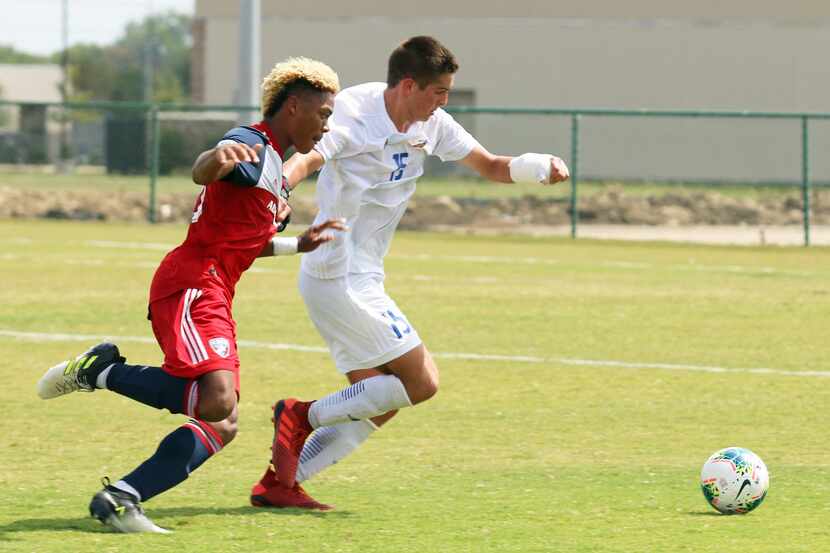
<point x="236" y="216"/>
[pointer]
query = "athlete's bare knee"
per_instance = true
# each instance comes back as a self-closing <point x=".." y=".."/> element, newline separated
<point x="431" y="387"/>
<point x="417" y="372"/>
<point x="227" y="428"/>
<point x="217" y="396"/>
<point x="216" y="408"/>
<point x="426" y="384"/>
<point x="423" y="389"/>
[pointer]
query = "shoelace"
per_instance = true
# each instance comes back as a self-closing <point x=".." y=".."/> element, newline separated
<point x="84" y="386"/>
<point x="105" y="481"/>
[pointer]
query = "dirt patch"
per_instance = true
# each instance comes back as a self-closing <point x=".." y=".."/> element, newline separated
<point x="611" y="206"/>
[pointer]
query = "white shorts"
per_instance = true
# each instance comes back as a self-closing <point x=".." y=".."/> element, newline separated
<point x="361" y="324"/>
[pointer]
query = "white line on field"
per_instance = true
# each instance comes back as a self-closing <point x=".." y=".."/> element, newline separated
<point x="63" y="337"/>
<point x="490" y="259"/>
<point x="636" y="265"/>
<point x="478" y="259"/>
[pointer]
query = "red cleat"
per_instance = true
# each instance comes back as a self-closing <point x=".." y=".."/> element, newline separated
<point x="268" y="492"/>
<point x="291" y="428"/>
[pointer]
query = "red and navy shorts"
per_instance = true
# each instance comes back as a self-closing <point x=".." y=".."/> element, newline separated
<point x="196" y="332"/>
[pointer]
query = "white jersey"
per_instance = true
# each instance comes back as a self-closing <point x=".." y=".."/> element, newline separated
<point x="370" y="174"/>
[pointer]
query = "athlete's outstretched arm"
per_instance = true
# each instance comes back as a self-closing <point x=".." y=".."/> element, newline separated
<point x="313" y="237"/>
<point x="299" y="166"/>
<point x="546" y="169"/>
<point x="217" y="162"/>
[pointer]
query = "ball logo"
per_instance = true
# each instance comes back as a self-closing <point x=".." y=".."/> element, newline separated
<point x="734" y="480"/>
<point x="221" y="346"/>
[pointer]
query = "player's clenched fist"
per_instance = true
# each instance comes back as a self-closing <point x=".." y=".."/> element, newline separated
<point x="558" y="170"/>
<point x="228" y="155"/>
<point x="218" y="162"/>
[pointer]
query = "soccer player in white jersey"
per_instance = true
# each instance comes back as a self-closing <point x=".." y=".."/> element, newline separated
<point x="380" y="135"/>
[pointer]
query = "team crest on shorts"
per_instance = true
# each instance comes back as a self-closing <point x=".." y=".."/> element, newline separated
<point x="221" y="346"/>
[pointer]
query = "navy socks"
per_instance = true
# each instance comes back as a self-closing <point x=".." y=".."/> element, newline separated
<point x="179" y="453"/>
<point x="154" y="387"/>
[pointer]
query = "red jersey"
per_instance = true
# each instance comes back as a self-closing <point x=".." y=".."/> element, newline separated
<point x="233" y="220"/>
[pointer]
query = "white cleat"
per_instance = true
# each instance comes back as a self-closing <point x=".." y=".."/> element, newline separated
<point x="57" y="381"/>
<point x="122" y="512"/>
<point x="79" y="373"/>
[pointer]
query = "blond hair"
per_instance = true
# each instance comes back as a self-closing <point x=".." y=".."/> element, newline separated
<point x="311" y="73"/>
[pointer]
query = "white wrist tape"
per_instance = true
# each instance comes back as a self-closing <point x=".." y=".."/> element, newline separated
<point x="285" y="246"/>
<point x="530" y="168"/>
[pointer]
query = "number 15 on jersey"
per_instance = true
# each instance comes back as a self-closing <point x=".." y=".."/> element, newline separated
<point x="400" y="163"/>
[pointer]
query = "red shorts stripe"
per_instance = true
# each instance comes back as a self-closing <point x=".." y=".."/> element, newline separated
<point x="189" y="321"/>
<point x="191" y="399"/>
<point x="193" y="332"/>
<point x="188" y="330"/>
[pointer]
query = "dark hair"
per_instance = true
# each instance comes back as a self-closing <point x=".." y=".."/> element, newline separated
<point x="421" y="58"/>
<point x="298" y="87"/>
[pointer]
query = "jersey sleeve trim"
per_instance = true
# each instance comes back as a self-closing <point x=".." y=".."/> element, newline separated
<point x="245" y="173"/>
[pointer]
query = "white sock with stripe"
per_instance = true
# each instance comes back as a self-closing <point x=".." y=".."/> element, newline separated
<point x="362" y="400"/>
<point x="327" y="445"/>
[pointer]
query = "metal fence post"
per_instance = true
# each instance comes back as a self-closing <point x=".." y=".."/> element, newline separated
<point x="154" y="161"/>
<point x="574" y="172"/>
<point x="805" y="179"/>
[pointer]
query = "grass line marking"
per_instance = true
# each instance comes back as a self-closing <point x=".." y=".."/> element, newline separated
<point x="64" y="337"/>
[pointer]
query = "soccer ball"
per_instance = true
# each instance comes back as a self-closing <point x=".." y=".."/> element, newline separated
<point x="734" y="480"/>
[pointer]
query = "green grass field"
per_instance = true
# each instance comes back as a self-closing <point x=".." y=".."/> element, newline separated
<point x="621" y="374"/>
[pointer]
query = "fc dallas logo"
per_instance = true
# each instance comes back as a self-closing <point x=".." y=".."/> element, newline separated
<point x="221" y="346"/>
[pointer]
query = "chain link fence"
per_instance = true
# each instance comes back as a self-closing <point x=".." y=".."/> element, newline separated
<point x="616" y="156"/>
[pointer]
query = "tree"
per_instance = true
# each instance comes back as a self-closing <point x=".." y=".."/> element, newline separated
<point x="9" y="55"/>
<point x="116" y="72"/>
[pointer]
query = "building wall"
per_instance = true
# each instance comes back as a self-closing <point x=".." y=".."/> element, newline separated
<point x="30" y="82"/>
<point x="657" y="63"/>
<point x="712" y="9"/>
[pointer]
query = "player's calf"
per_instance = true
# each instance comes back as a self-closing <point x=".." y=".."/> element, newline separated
<point x="177" y="456"/>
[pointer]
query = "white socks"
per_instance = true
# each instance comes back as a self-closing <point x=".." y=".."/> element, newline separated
<point x="362" y="400"/>
<point x="124" y="487"/>
<point x="342" y="421"/>
<point x="101" y="381"/>
<point x="329" y="444"/>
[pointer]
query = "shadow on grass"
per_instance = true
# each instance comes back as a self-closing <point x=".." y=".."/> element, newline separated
<point x="705" y="514"/>
<point x="88" y="524"/>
